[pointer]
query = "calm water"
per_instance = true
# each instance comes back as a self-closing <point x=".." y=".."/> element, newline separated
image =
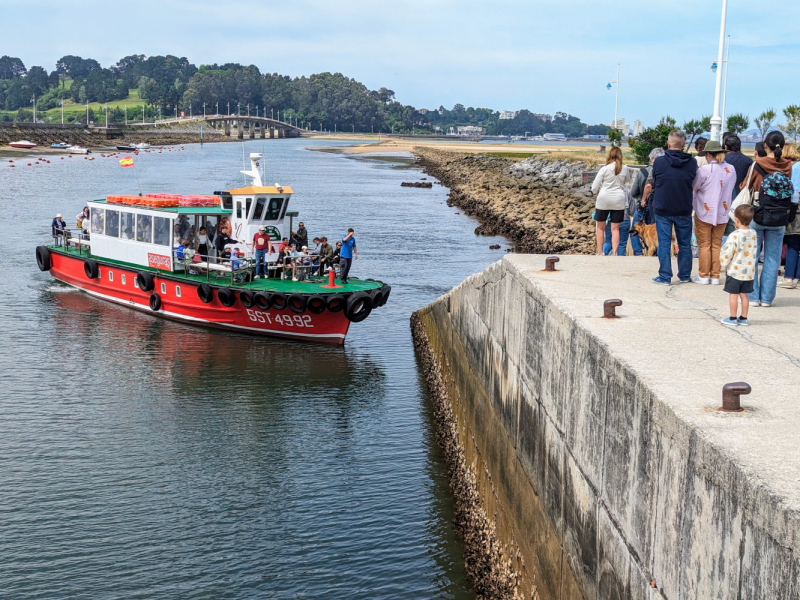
<point x="141" y="458"/>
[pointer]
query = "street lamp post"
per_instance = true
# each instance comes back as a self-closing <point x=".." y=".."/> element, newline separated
<point x="204" y="111"/>
<point x="34" y="108"/>
<point x="105" y="108"/>
<point x="725" y="86"/>
<point x="61" y="104"/>
<point x="229" y="109"/>
<point x="716" y="120"/>
<point x="190" y="110"/>
<point x="616" y="102"/>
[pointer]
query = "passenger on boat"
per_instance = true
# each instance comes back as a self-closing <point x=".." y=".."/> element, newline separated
<point x="183" y="226"/>
<point x="59" y="226"/>
<point x="202" y="243"/>
<point x="224" y="239"/>
<point x="336" y="253"/>
<point x="83" y="216"/>
<point x="261" y="246"/>
<point x="301" y="235"/>
<point x="284" y="244"/>
<point x="237" y="264"/>
<point x="325" y="256"/>
<point x="287" y="258"/>
<point x="347" y="254"/>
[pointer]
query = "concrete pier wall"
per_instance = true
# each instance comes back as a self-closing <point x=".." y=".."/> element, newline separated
<point x="598" y="450"/>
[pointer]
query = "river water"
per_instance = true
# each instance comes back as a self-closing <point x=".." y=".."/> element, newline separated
<point x="141" y="458"/>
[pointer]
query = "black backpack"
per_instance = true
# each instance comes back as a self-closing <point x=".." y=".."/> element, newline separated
<point x="772" y="206"/>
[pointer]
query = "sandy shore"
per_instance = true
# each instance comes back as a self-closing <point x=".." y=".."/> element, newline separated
<point x="372" y="145"/>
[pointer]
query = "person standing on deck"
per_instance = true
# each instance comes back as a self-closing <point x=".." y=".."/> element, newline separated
<point x="301" y="235"/>
<point x="261" y="246"/>
<point x="348" y="253"/>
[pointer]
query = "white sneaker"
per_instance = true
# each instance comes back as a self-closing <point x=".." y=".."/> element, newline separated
<point x="765" y="305"/>
<point x="256" y="277"/>
<point x="755" y="303"/>
<point x="294" y="278"/>
<point x="701" y="280"/>
<point x="787" y="283"/>
<point x="714" y="281"/>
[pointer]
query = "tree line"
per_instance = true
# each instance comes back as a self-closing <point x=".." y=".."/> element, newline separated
<point x="323" y="101"/>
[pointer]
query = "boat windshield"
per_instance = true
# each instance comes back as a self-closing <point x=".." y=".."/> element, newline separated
<point x="274" y="209"/>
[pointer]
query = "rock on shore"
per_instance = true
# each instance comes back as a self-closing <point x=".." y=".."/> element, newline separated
<point x="543" y="206"/>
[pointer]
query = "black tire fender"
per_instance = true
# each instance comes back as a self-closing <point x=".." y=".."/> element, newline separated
<point x="336" y="303"/>
<point x="376" y="296"/>
<point x="91" y="269"/>
<point x="316" y="305"/>
<point x="279" y="301"/>
<point x="155" y="302"/>
<point x="263" y="300"/>
<point x="387" y="289"/>
<point x="205" y="293"/>
<point x="43" y="258"/>
<point x="297" y="303"/>
<point x="247" y="299"/>
<point x="359" y="306"/>
<point x="226" y="297"/>
<point x="145" y="281"/>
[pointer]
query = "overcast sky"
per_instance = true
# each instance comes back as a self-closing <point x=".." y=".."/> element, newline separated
<point x="546" y="56"/>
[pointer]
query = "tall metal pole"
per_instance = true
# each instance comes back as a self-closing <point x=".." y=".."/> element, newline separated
<point x="725" y="87"/>
<point x="616" y="104"/>
<point x="716" y="120"/>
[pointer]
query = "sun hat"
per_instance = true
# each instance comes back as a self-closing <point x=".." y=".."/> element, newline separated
<point x="58" y="216"/>
<point x="713" y="147"/>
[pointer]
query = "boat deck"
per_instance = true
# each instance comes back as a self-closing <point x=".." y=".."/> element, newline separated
<point x="288" y="286"/>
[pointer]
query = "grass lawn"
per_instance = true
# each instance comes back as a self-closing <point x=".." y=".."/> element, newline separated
<point x="133" y="102"/>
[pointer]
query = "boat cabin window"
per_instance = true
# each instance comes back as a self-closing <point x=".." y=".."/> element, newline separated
<point x="98" y="220"/>
<point x="259" y="209"/>
<point x="126" y="225"/>
<point x="247" y="206"/>
<point x="274" y="209"/>
<point x="227" y="201"/>
<point x="112" y="223"/>
<point x="238" y="209"/>
<point x="144" y="228"/>
<point x="161" y="231"/>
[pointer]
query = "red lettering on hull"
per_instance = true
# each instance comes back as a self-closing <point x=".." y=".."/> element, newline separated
<point x="158" y="261"/>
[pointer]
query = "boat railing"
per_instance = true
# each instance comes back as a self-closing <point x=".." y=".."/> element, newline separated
<point x="288" y="266"/>
<point x="72" y="238"/>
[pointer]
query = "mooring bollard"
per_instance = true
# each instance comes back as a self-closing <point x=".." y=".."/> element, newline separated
<point x="550" y="263"/>
<point x="609" y="307"/>
<point x="730" y="396"/>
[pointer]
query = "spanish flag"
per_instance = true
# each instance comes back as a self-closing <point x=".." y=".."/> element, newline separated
<point x="126" y="161"/>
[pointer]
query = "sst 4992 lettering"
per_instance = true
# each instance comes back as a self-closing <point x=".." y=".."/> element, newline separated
<point x="258" y="316"/>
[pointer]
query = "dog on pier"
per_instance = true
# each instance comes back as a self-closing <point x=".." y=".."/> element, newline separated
<point x="649" y="238"/>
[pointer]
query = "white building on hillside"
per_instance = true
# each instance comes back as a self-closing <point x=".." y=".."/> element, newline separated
<point x="638" y="128"/>
<point x="422" y="111"/>
<point x="508" y="114"/>
<point x="544" y="117"/>
<point x="469" y="130"/>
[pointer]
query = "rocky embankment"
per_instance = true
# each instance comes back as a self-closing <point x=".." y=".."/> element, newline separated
<point x="543" y="206"/>
<point x="96" y="137"/>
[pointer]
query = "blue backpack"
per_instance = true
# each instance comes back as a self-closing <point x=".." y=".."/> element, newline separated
<point x="771" y="208"/>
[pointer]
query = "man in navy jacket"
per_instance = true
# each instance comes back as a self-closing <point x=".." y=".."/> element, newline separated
<point x="671" y="182"/>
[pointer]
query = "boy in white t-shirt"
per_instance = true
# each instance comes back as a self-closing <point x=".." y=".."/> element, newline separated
<point x="738" y="258"/>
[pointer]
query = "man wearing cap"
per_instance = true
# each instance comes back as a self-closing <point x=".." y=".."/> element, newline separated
<point x="261" y="246"/>
<point x="58" y="225"/>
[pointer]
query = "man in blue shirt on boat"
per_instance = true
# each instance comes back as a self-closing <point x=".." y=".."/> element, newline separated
<point x="347" y="254"/>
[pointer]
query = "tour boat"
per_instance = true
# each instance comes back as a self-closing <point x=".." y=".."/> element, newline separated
<point x="78" y="150"/>
<point x="22" y="144"/>
<point x="129" y="259"/>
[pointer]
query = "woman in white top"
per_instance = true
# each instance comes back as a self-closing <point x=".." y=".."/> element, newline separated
<point x="612" y="198"/>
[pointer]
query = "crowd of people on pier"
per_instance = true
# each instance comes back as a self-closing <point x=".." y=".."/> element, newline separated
<point x="735" y="214"/>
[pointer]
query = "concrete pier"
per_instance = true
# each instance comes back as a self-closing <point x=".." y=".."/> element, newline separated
<point x="597" y="443"/>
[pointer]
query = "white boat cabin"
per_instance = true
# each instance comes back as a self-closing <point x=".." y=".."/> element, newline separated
<point x="146" y="236"/>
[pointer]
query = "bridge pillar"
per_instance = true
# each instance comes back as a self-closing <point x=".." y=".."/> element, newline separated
<point x="240" y="129"/>
<point x="281" y="132"/>
<point x="228" y="128"/>
<point x="271" y="132"/>
<point x="262" y="129"/>
<point x="252" y="130"/>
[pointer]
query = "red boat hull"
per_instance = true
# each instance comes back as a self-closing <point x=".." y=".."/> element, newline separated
<point x="180" y="302"/>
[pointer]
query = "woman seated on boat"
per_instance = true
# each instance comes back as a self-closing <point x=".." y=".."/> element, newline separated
<point x="286" y="257"/>
<point x="83" y="216"/>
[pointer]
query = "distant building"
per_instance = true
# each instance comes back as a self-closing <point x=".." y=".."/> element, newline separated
<point x="469" y="130"/>
<point x="638" y="128"/>
<point x="620" y="124"/>
<point x="544" y="117"/>
<point x="422" y="111"/>
<point x="508" y="114"/>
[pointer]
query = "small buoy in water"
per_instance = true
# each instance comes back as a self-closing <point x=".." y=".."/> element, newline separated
<point x="85" y="157"/>
<point x="29" y="164"/>
<point x="10" y="165"/>
<point x="62" y="158"/>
